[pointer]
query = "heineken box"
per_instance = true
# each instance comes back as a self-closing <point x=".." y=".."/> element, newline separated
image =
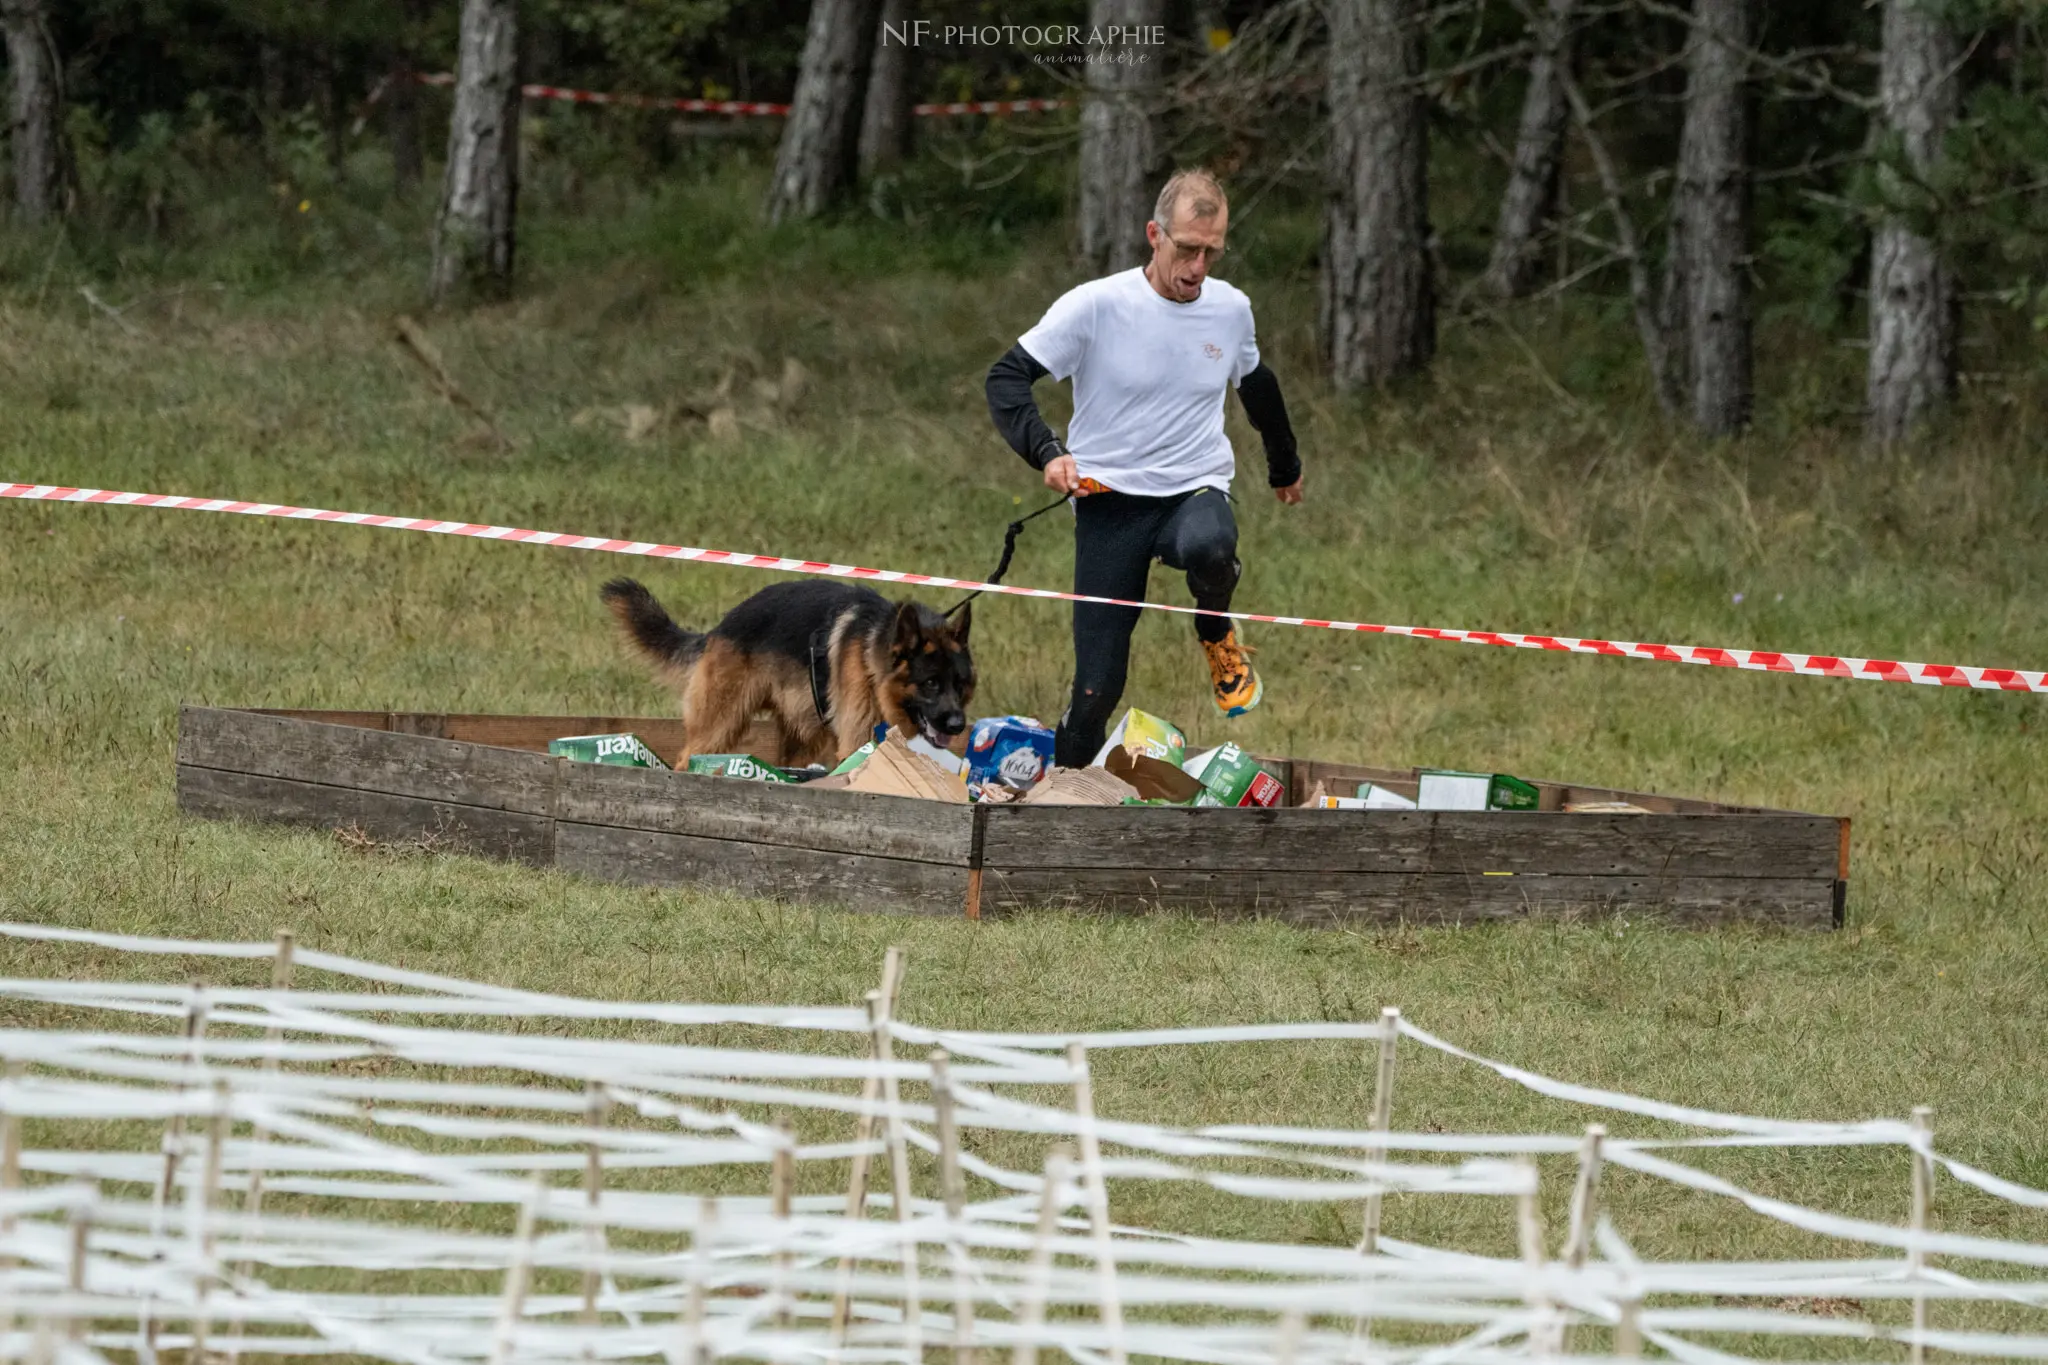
<point x="1443" y="789"/>
<point x="743" y="766"/>
<point x="1232" y="777"/>
<point x="625" y="751"/>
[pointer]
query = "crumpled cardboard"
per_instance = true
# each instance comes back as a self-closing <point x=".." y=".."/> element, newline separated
<point x="892" y="768"/>
<point x="1080" y="787"/>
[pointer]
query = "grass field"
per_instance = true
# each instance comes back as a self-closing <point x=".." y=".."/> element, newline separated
<point x="1526" y="486"/>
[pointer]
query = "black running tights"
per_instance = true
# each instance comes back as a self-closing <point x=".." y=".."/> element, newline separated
<point x="1116" y="538"/>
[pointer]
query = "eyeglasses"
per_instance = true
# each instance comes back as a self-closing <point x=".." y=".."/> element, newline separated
<point x="1184" y="254"/>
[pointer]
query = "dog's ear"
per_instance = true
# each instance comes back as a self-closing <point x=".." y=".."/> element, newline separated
<point x="909" y="630"/>
<point x="962" y="624"/>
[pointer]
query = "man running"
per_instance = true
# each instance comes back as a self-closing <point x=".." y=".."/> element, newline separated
<point x="1150" y="351"/>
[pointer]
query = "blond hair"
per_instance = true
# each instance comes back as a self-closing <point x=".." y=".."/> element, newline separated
<point x="1207" y="201"/>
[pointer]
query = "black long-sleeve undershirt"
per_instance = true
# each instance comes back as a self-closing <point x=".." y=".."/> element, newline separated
<point x="1259" y="391"/>
<point x="1016" y="415"/>
<point x="1016" y="412"/>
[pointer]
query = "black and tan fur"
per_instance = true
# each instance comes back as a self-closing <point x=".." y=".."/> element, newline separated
<point x="902" y="663"/>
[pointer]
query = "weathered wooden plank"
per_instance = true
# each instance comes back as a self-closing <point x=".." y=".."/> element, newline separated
<point x="663" y="734"/>
<point x="222" y="795"/>
<point x="374" y="760"/>
<point x="646" y="858"/>
<point x="1459" y="842"/>
<point x="1338" y="899"/>
<point x="362" y="720"/>
<point x="767" y="813"/>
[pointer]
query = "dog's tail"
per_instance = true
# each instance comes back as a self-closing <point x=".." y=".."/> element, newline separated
<point x="669" y="647"/>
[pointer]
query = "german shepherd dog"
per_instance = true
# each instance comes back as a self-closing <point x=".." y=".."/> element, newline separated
<point x="902" y="663"/>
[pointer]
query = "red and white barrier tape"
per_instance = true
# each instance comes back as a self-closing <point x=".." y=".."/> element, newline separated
<point x="690" y="106"/>
<point x="1761" y="660"/>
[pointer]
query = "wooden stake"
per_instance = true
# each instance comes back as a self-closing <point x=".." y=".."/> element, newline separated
<point x="781" y="1198"/>
<point x="954" y="1188"/>
<point x="174" y="1149"/>
<point x="74" y="1273"/>
<point x="517" y="1276"/>
<point x="209" y="1202"/>
<point x="899" y="1179"/>
<point x="1578" y="1239"/>
<point x="10" y="1174"/>
<point x="1059" y="1164"/>
<point x="694" y="1352"/>
<point x="1097" y="1188"/>
<point x="1628" y="1333"/>
<point x="1585" y="1198"/>
<point x="10" y="1185"/>
<point x="1529" y="1221"/>
<point x="1916" y="1259"/>
<point x="273" y="1038"/>
<point x="1382" y="1119"/>
<point x="1287" y="1340"/>
<point x="863" y="1134"/>
<point x="593" y="1231"/>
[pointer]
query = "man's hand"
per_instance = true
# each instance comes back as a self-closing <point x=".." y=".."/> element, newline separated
<point x="1062" y="477"/>
<point x="1290" y="494"/>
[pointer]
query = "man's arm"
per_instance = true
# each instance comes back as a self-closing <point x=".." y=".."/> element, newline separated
<point x="1259" y="391"/>
<point x="1016" y="412"/>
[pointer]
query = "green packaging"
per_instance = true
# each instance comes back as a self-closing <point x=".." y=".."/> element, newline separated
<point x="625" y="751"/>
<point x="1141" y="732"/>
<point x="745" y="767"/>
<point x="854" y="759"/>
<point x="1443" y="789"/>
<point x="1232" y="777"/>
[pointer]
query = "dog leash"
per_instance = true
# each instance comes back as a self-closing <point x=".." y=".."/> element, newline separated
<point x="821" y="639"/>
<point x="1015" y="529"/>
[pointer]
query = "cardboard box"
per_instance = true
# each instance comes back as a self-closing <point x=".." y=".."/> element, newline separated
<point x="1370" y="797"/>
<point x="624" y="751"/>
<point x="743" y="766"/>
<point x="945" y="758"/>
<point x="1080" y="787"/>
<point x="1008" y="751"/>
<point x="893" y="768"/>
<point x="1153" y="779"/>
<point x="1232" y="777"/>
<point x="1144" y="733"/>
<point x="1444" y="789"/>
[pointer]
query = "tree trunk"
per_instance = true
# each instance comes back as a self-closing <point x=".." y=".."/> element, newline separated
<point x="272" y="81"/>
<point x="1912" y="296"/>
<point x="333" y="110"/>
<point x="1651" y="326"/>
<point x="885" y="118"/>
<point x="1378" y="299"/>
<point x="402" y="123"/>
<point x="819" y="155"/>
<point x="1117" y="148"/>
<point x="1539" y="148"/>
<point x="474" y="235"/>
<point x="1711" y="255"/>
<point x="35" y="113"/>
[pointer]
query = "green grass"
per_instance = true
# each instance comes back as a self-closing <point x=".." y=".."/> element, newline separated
<point x="1524" y="486"/>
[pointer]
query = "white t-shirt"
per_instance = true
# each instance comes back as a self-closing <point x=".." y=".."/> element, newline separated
<point x="1149" y="376"/>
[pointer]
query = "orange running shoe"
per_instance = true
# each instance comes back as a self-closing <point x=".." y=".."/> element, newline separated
<point x="1238" y="688"/>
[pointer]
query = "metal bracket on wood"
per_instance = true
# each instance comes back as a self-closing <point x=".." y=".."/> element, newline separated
<point x="980" y="831"/>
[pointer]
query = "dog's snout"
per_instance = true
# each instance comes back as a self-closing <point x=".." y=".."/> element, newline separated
<point x="952" y="722"/>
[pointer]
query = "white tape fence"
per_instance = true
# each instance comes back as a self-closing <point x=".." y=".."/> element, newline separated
<point x="399" y="1166"/>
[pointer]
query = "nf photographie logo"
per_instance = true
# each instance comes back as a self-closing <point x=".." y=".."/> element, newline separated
<point x="1067" y="42"/>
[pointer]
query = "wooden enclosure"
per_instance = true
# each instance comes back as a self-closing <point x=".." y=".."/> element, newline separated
<point x="486" y="784"/>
